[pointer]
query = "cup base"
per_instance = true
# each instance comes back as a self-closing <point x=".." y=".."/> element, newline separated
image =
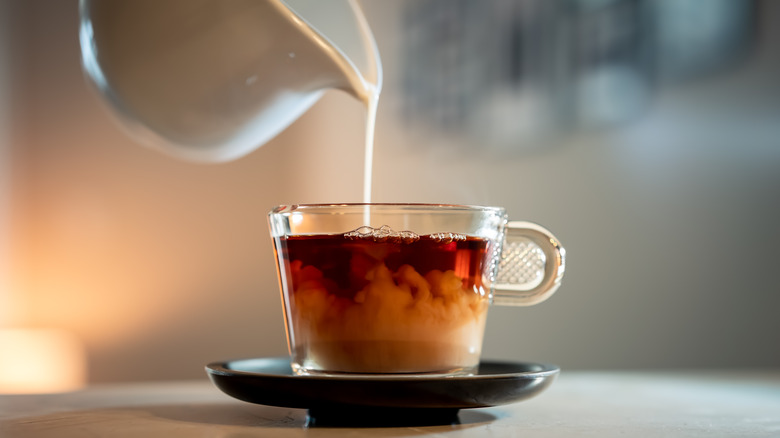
<point x="308" y="371"/>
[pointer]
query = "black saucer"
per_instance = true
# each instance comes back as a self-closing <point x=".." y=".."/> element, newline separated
<point x="371" y="399"/>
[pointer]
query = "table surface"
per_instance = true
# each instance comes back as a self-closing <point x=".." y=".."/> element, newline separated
<point x="600" y="404"/>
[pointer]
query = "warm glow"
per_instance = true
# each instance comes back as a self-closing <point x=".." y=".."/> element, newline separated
<point x="40" y="361"/>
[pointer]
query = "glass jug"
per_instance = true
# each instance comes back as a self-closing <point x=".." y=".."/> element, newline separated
<point x="212" y="80"/>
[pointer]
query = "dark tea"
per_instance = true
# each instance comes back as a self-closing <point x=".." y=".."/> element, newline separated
<point x="377" y="301"/>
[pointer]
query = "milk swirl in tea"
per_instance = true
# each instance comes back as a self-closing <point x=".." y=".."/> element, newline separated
<point x="385" y="302"/>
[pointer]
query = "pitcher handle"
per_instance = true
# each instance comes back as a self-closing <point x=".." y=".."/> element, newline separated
<point x="531" y="266"/>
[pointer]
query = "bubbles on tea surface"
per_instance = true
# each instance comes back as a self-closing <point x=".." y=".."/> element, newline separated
<point x="382" y="234"/>
<point x="387" y="234"/>
<point x="447" y="237"/>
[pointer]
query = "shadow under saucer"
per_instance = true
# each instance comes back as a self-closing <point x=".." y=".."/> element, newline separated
<point x="394" y="417"/>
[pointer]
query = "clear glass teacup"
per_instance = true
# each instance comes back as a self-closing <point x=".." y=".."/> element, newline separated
<point x="403" y="289"/>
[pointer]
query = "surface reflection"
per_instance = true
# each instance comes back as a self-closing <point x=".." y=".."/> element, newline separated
<point x="224" y="420"/>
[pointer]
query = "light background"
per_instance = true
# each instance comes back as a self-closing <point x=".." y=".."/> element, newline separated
<point x="671" y="222"/>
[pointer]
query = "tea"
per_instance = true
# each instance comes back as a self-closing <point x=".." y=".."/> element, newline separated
<point x="372" y="301"/>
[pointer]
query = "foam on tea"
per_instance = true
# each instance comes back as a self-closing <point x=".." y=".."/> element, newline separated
<point x="381" y="301"/>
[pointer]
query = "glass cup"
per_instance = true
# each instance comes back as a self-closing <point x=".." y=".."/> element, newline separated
<point x="403" y="289"/>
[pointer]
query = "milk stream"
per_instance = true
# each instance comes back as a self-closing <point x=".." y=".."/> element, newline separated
<point x="370" y="97"/>
<point x="371" y="107"/>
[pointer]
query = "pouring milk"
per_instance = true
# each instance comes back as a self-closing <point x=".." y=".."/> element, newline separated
<point x="212" y="80"/>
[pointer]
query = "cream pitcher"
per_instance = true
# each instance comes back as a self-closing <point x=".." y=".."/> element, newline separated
<point x="212" y="80"/>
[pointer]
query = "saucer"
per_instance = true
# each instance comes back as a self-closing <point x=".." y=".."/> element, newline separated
<point x="270" y="381"/>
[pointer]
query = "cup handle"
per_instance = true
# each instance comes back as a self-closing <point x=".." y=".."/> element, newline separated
<point x="531" y="265"/>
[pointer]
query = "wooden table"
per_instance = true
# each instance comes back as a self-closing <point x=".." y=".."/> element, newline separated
<point x="598" y="404"/>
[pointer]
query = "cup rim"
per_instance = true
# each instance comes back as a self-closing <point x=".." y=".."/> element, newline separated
<point x="289" y="208"/>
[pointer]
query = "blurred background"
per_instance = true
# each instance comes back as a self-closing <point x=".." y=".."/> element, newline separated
<point x="644" y="133"/>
